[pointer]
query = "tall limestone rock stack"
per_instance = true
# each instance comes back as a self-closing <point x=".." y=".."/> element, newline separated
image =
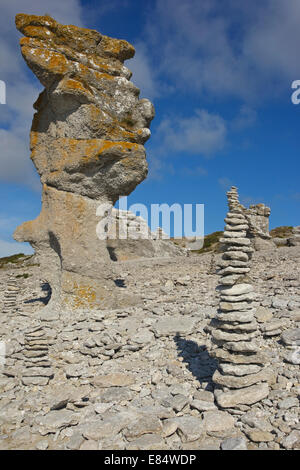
<point x="87" y="141"/>
<point x="241" y="378"/>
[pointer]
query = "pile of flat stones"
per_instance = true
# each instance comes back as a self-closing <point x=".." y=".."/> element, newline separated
<point x="241" y="377"/>
<point x="37" y="367"/>
<point x="10" y="296"/>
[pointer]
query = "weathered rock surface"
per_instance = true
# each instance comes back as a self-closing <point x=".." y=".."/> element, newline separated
<point x="87" y="141"/>
<point x="108" y="382"/>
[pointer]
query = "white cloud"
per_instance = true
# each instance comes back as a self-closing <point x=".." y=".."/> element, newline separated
<point x="201" y="134"/>
<point x="225" y="182"/>
<point x="245" y="118"/>
<point x="194" y="172"/>
<point x="11" y="248"/>
<point x="248" y="200"/>
<point x="158" y="168"/>
<point x="244" y="49"/>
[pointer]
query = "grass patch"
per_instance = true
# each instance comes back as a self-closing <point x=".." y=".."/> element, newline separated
<point x="12" y="259"/>
<point x="25" y="275"/>
<point x="283" y="231"/>
<point x="211" y="243"/>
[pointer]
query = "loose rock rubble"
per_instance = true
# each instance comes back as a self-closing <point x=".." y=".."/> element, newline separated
<point x="144" y="373"/>
<point x="10" y="296"/>
<point x="142" y="377"/>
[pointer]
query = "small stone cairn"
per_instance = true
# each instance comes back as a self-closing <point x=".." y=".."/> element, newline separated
<point x="10" y="296"/>
<point x="241" y="377"/>
<point x="36" y="367"/>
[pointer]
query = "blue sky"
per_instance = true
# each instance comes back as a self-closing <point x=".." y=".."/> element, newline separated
<point x="219" y="74"/>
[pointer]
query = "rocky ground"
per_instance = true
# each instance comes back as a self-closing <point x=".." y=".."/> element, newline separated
<point x="140" y="377"/>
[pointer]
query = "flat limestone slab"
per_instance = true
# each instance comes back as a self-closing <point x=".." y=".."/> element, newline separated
<point x="235" y="358"/>
<point x="245" y="396"/>
<point x="238" y="289"/>
<point x="265" y="375"/>
<point x="169" y="326"/>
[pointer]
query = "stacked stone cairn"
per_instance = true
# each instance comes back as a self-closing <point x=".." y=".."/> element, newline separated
<point x="37" y="367"/>
<point x="10" y="296"/>
<point x="241" y="377"/>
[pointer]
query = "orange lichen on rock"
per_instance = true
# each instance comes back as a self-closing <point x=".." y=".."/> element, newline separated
<point x="116" y="48"/>
<point x="49" y="61"/>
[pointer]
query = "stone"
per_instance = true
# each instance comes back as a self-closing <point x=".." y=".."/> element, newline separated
<point x="234" y="221"/>
<point x="236" y="327"/>
<point x="291" y="337"/>
<point x="143" y="336"/>
<point x="170" y="326"/>
<point x="273" y="326"/>
<point x="75" y="441"/>
<point x="260" y="436"/>
<point x="89" y="445"/>
<point x="204" y="395"/>
<point x="263" y="375"/>
<point x="234" y="358"/>
<point x="202" y="405"/>
<point x="238" y="289"/>
<point x="230" y="280"/>
<point x="234" y="234"/>
<point x="241" y="346"/>
<point x="217" y="421"/>
<point x="106" y="426"/>
<point x="189" y="428"/>
<point x="219" y="335"/>
<point x="102" y="407"/>
<point x="75" y="370"/>
<point x="234" y="443"/>
<point x="55" y="420"/>
<point x="179" y="402"/>
<point x="254" y="420"/>
<point x="143" y="425"/>
<point x="116" y="395"/>
<point x="244" y="396"/>
<point x="237" y="228"/>
<point x="279" y="303"/>
<point x="293" y="357"/>
<point x="233" y="270"/>
<point x="38" y="372"/>
<point x="263" y="315"/>
<point x="235" y="255"/>
<point x="239" y="370"/>
<point x="292" y="441"/>
<point x="245" y="316"/>
<point x="238" y="298"/>
<point x="232" y="306"/>
<point x="288" y="403"/>
<point x="113" y="380"/>
<point x="147" y="442"/>
<point x="169" y="427"/>
<point x="87" y="143"/>
<point x="236" y="241"/>
<point x="35" y="380"/>
<point x="42" y="445"/>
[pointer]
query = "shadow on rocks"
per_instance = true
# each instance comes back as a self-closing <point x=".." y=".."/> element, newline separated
<point x="45" y="288"/>
<point x="197" y="359"/>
